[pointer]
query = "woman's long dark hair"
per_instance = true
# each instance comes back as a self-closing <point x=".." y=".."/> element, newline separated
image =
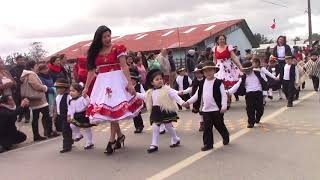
<point x="284" y="40"/>
<point x="96" y="46"/>
<point x="217" y="38"/>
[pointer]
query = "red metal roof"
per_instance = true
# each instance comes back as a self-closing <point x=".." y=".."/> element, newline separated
<point x="156" y="40"/>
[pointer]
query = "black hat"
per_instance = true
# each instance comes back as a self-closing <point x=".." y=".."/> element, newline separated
<point x="150" y="76"/>
<point x="210" y="65"/>
<point x="134" y="74"/>
<point x="247" y="65"/>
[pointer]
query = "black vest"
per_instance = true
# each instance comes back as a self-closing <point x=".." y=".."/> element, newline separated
<point x="196" y="84"/>
<point x="216" y="93"/>
<point x="64" y="105"/>
<point x="137" y="87"/>
<point x="292" y="73"/>
<point x="185" y="82"/>
<point x="242" y="89"/>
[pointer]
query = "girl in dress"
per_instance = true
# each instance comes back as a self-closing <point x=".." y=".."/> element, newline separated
<point x="112" y="94"/>
<point x="228" y="62"/>
<point x="77" y="114"/>
<point x="161" y="101"/>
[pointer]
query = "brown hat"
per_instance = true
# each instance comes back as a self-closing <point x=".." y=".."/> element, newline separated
<point x="247" y="65"/>
<point x="210" y="65"/>
<point x="181" y="69"/>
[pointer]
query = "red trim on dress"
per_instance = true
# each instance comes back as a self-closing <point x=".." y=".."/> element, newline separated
<point x="229" y="84"/>
<point x="117" y="111"/>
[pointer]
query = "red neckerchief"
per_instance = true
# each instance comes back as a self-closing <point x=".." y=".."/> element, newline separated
<point x="55" y="68"/>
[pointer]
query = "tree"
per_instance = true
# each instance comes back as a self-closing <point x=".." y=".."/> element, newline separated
<point x="297" y="39"/>
<point x="10" y="59"/>
<point x="262" y="39"/>
<point x="315" y="37"/>
<point x="37" y="52"/>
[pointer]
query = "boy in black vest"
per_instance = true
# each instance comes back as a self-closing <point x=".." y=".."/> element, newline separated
<point x="135" y="79"/>
<point x="182" y="82"/>
<point x="290" y="80"/>
<point x="213" y="105"/>
<point x="251" y="85"/>
<point x="62" y="100"/>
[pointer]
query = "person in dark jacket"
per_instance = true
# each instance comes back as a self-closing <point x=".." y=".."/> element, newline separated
<point x="281" y="50"/>
<point x="173" y="68"/>
<point x="56" y="71"/>
<point x="16" y="72"/>
<point x="9" y="135"/>
<point x="190" y="62"/>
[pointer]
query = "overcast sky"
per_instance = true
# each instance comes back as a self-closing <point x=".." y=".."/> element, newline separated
<point x="60" y="23"/>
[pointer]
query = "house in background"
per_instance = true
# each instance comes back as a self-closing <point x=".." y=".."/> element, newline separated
<point x="179" y="39"/>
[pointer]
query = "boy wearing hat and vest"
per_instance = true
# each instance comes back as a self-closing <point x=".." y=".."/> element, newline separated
<point x="62" y="100"/>
<point x="182" y="82"/>
<point x="252" y="86"/>
<point x="290" y="80"/>
<point x="135" y="79"/>
<point x="196" y="84"/>
<point x="213" y="105"/>
<point x="162" y="101"/>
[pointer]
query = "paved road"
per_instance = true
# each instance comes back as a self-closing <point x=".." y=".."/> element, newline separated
<point x="285" y="146"/>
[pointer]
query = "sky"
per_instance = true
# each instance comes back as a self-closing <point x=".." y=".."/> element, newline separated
<point x="61" y="23"/>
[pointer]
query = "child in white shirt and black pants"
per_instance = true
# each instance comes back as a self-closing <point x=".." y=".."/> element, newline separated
<point x="213" y="106"/>
<point x="183" y="82"/>
<point x="252" y="86"/>
<point x="290" y="80"/>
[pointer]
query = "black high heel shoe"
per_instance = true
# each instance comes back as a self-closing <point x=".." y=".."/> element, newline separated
<point x="120" y="141"/>
<point x="110" y="148"/>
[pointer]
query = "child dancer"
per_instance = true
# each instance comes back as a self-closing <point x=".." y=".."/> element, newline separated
<point x="62" y="99"/>
<point x="161" y="101"/>
<point x="214" y="105"/>
<point x="290" y="80"/>
<point x="197" y="83"/>
<point x="251" y="85"/>
<point x="135" y="79"/>
<point x="77" y="116"/>
<point x="183" y="82"/>
<point x="256" y="63"/>
<point x="274" y="85"/>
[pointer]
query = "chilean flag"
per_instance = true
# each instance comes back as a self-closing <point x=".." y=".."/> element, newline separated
<point x="273" y="26"/>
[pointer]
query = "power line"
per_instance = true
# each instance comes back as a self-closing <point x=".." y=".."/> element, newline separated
<point x="276" y="4"/>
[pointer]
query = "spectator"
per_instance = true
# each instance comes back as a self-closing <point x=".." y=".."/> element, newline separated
<point x="280" y="51"/>
<point x="143" y="59"/>
<point x="130" y="60"/>
<point x="267" y="53"/>
<point x="65" y="68"/>
<point x="191" y="62"/>
<point x="80" y="73"/>
<point x="142" y="70"/>
<point x="55" y="69"/>
<point x="38" y="105"/>
<point x="209" y="54"/>
<point x="202" y="57"/>
<point x="9" y="135"/>
<point x="173" y="69"/>
<point x="164" y="65"/>
<point x="152" y="62"/>
<point x="7" y="83"/>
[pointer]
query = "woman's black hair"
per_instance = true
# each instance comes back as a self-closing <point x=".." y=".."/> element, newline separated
<point x="4" y="99"/>
<point x="284" y="40"/>
<point x="78" y="87"/>
<point x="217" y="38"/>
<point x="96" y="46"/>
<point x="30" y="65"/>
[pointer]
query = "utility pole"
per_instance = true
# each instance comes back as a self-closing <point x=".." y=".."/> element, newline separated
<point x="309" y="23"/>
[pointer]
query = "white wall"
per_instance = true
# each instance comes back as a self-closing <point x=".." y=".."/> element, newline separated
<point x="238" y="38"/>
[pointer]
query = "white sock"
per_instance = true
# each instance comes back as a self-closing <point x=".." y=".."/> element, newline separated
<point x="75" y="130"/>
<point x="270" y="92"/>
<point x="89" y="136"/>
<point x="155" y="134"/>
<point x="201" y="119"/>
<point x="265" y="93"/>
<point x="162" y="128"/>
<point x="280" y="93"/>
<point x="172" y="132"/>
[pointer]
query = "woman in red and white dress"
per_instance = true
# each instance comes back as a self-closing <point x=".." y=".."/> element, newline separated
<point x="228" y="62"/>
<point x="111" y="96"/>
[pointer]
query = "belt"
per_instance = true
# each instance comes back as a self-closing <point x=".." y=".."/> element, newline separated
<point x="109" y="68"/>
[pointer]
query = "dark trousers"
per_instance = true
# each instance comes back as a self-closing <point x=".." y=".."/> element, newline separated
<point x="289" y="90"/>
<point x="138" y="122"/>
<point x="281" y="63"/>
<point x="215" y="119"/>
<point x="25" y="113"/>
<point x="46" y="121"/>
<point x="66" y="132"/>
<point x="315" y="81"/>
<point x="58" y="124"/>
<point x="254" y="106"/>
<point x="14" y="138"/>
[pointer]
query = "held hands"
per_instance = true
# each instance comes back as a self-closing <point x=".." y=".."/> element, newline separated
<point x="24" y="103"/>
<point x="85" y="92"/>
<point x="186" y="105"/>
<point x="180" y="93"/>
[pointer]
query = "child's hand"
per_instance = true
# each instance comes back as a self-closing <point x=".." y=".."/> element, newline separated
<point x="85" y="95"/>
<point x="69" y="120"/>
<point x="223" y="110"/>
<point x="186" y="105"/>
<point x="227" y="92"/>
<point x="180" y="93"/>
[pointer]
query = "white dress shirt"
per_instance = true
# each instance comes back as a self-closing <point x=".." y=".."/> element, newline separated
<point x="179" y="81"/>
<point x="78" y="105"/>
<point x="252" y="84"/>
<point x="58" y="100"/>
<point x="281" y="50"/>
<point x="286" y="75"/>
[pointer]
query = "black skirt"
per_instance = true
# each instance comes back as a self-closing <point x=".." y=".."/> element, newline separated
<point x="80" y="120"/>
<point x="274" y="84"/>
<point x="159" y="117"/>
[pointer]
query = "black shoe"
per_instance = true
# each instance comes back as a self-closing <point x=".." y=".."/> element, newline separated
<point x="152" y="149"/>
<point x="206" y="148"/>
<point x="250" y="126"/>
<point x="65" y="150"/>
<point x="110" y="148"/>
<point x="120" y="141"/>
<point x="228" y="107"/>
<point x="78" y="138"/>
<point x="270" y="97"/>
<point x="138" y="130"/>
<point x="88" y="147"/>
<point x="175" y="145"/>
<point x="226" y="141"/>
<point x="2" y="149"/>
<point x="163" y="132"/>
<point x="53" y="135"/>
<point x="40" y="138"/>
<point x="289" y="105"/>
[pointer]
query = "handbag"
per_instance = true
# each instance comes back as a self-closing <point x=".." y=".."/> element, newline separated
<point x="27" y="91"/>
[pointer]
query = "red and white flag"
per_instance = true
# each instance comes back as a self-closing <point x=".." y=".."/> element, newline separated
<point x="273" y="26"/>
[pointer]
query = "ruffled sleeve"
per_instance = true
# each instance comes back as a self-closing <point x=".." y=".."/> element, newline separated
<point x="230" y="48"/>
<point x="121" y="51"/>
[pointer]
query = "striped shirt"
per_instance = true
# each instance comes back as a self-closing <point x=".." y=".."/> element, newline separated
<point x="313" y="68"/>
